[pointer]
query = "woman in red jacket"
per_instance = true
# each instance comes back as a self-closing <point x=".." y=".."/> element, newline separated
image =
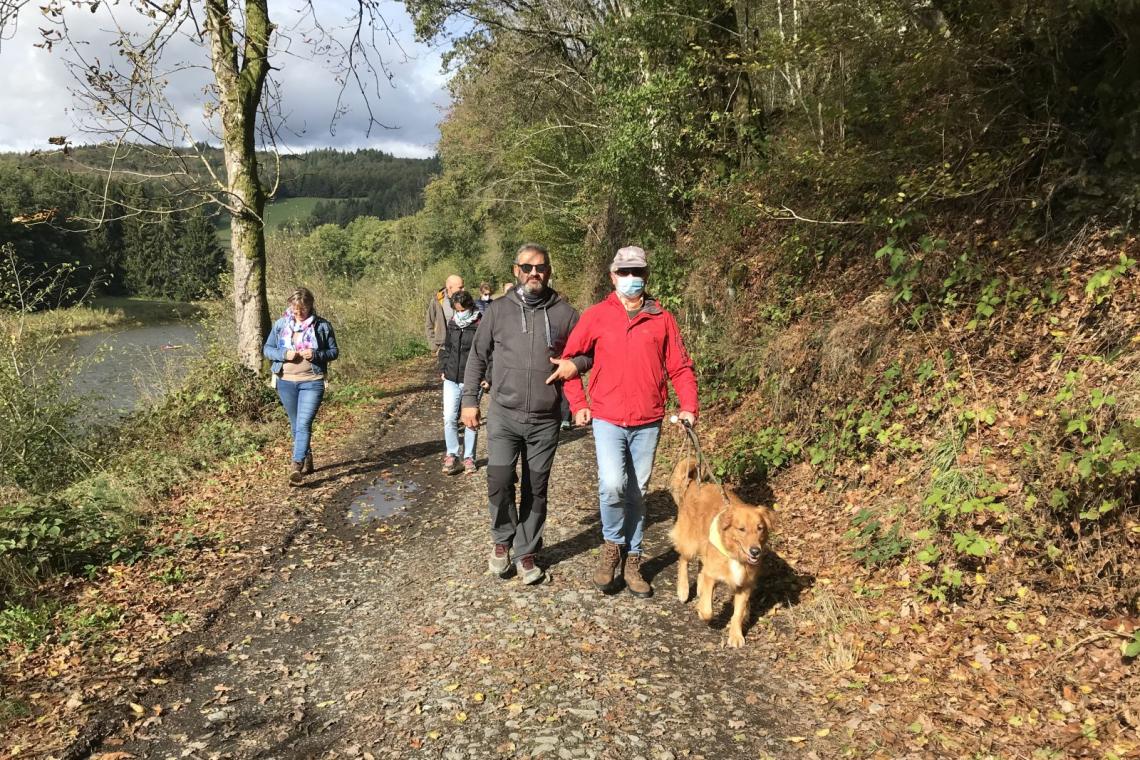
<point x="637" y="348"/>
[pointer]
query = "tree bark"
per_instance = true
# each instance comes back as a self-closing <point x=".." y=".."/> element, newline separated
<point x="240" y="87"/>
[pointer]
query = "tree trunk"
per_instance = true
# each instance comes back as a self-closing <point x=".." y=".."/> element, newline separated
<point x="240" y="87"/>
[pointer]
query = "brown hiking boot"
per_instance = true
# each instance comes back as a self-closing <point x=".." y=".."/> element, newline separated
<point x="608" y="560"/>
<point x="296" y="474"/>
<point x="637" y="585"/>
<point x="307" y="465"/>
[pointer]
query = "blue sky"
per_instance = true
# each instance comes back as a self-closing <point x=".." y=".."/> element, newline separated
<point x="37" y="99"/>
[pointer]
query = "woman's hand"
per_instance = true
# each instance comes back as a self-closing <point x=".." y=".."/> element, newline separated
<point x="307" y="354"/>
<point x="582" y="417"/>
<point x="290" y="354"/>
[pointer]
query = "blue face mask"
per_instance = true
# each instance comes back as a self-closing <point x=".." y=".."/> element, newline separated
<point x="630" y="286"/>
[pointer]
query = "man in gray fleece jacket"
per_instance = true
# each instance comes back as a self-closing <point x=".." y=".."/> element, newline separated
<point x="522" y="331"/>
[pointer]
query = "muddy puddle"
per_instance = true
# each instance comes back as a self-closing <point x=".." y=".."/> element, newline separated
<point x="383" y="498"/>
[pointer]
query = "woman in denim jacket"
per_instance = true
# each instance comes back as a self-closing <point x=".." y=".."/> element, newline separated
<point x="300" y="345"/>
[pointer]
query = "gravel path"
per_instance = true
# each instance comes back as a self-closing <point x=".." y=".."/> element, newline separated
<point x="386" y="638"/>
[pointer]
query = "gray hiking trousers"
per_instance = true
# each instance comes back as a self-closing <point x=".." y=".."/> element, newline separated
<point x="508" y="440"/>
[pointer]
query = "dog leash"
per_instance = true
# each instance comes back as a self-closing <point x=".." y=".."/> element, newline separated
<point x="702" y="462"/>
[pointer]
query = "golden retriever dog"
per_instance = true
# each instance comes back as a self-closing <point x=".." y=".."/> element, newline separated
<point x="726" y="534"/>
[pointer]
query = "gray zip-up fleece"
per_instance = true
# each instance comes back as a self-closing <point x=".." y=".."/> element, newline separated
<point x="522" y="339"/>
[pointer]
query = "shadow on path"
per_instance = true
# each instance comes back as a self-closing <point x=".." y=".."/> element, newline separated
<point x="658" y="507"/>
<point x="368" y="465"/>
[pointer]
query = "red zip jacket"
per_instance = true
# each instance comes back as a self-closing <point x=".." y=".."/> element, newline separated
<point x="632" y="359"/>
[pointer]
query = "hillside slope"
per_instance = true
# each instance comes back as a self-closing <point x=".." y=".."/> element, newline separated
<point x="951" y="431"/>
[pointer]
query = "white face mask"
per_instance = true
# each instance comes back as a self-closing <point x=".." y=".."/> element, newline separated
<point x="630" y="286"/>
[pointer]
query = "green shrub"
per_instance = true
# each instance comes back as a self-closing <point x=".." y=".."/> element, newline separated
<point x="27" y="626"/>
<point x="874" y="544"/>
<point x="155" y="471"/>
<point x="216" y="387"/>
<point x="220" y="439"/>
<point x="43" y="535"/>
<point x="84" y="624"/>
<point x="39" y="449"/>
<point x="759" y="454"/>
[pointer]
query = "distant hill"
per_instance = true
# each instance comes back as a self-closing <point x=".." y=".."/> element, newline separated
<point x="48" y="199"/>
<point x="351" y="183"/>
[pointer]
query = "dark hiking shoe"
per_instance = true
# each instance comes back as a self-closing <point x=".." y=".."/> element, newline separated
<point x="307" y="468"/>
<point x="608" y="560"/>
<point x="637" y="585"/>
<point x="296" y="474"/>
<point x="449" y="463"/>
<point x="500" y="559"/>
<point x="528" y="570"/>
<point x="469" y="466"/>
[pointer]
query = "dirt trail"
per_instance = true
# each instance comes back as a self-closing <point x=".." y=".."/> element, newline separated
<point x="388" y="638"/>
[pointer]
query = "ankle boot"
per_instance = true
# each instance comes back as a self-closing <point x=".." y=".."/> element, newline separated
<point x="307" y="464"/>
<point x="608" y="560"/>
<point x="296" y="474"/>
<point x="636" y="584"/>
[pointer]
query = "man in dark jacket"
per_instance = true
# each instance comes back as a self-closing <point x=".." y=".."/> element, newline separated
<point x="522" y="332"/>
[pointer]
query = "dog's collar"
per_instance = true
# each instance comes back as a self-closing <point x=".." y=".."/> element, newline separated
<point x="714" y="535"/>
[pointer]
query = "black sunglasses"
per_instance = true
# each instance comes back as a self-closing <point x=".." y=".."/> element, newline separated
<point x="540" y="268"/>
<point x="635" y="271"/>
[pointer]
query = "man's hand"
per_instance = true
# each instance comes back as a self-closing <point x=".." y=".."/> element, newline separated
<point x="688" y="417"/>
<point x="582" y="417"/>
<point x="485" y="384"/>
<point x="565" y="370"/>
<point x="470" y="417"/>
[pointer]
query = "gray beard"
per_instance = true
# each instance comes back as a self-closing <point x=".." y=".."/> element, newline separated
<point x="532" y="293"/>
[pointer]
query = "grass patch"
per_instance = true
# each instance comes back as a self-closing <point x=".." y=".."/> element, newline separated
<point x="26" y="626"/>
<point x="831" y="619"/>
<point x="85" y="624"/>
<point x="278" y="214"/>
<point x="102" y="313"/>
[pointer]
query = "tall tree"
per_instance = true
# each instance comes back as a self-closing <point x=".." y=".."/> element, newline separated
<point x="241" y="83"/>
<point x="126" y="97"/>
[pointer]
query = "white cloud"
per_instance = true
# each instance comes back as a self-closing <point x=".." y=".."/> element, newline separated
<point x="37" y="102"/>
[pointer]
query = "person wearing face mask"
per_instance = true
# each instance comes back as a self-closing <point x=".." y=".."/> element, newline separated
<point x="461" y="329"/>
<point x="521" y="333"/>
<point x="484" y="297"/>
<point x="636" y="346"/>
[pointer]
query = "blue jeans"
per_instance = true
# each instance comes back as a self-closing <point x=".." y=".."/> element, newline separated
<point x="625" y="462"/>
<point x="452" y="393"/>
<point x="301" y="402"/>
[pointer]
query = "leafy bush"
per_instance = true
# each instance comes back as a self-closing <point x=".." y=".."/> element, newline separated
<point x="27" y="626"/>
<point x="39" y="450"/>
<point x="221" y="439"/>
<point x="759" y="454"/>
<point x="875" y="544"/>
<point x="155" y="471"/>
<point x="79" y="624"/>
<point x="43" y="535"/>
<point x="219" y="387"/>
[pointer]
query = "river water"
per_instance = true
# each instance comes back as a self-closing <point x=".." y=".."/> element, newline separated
<point x="125" y="368"/>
